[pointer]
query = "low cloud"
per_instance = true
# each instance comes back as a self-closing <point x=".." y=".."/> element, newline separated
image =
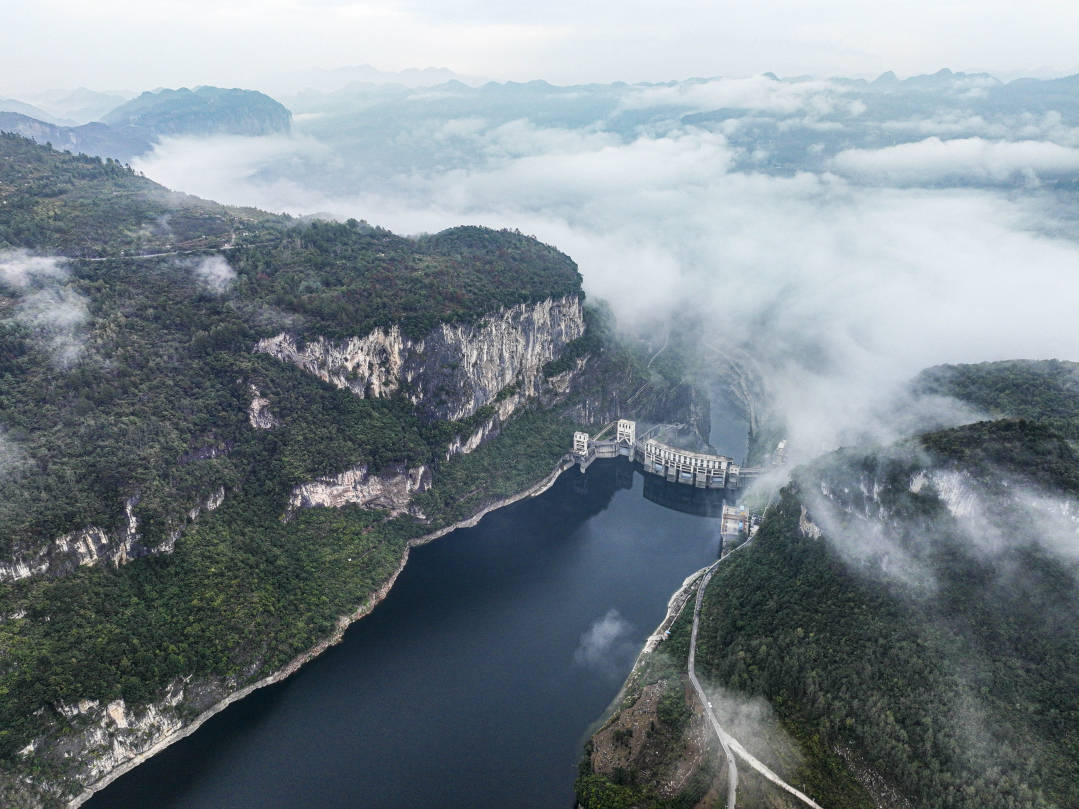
<point x="1015" y="513"/>
<point x="214" y="274"/>
<point x="12" y="456"/>
<point x="871" y="546"/>
<point x="814" y="97"/>
<point x="753" y="723"/>
<point x="835" y="282"/>
<point x="46" y="306"/>
<point x="56" y="317"/>
<point x="20" y="269"/>
<point x="607" y="645"/>
<point x="965" y="159"/>
<point x="990" y="518"/>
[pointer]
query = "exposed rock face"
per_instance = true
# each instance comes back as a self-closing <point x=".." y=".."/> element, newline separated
<point x="96" y="743"/>
<point x="955" y="491"/>
<point x="87" y="546"/>
<point x="681" y="404"/>
<point x="462" y="445"/>
<point x="954" y="488"/>
<point x="453" y="371"/>
<point x="105" y="738"/>
<point x="258" y="412"/>
<point x="807" y="526"/>
<point x="112" y="734"/>
<point x="211" y="503"/>
<point x="93" y="545"/>
<point x="391" y="492"/>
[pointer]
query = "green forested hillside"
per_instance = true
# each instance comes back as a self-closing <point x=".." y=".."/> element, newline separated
<point x="126" y="371"/>
<point x="164" y="365"/>
<point x="338" y="279"/>
<point x="202" y="111"/>
<point x="956" y="677"/>
<point x="928" y="643"/>
<point x="1046" y="390"/>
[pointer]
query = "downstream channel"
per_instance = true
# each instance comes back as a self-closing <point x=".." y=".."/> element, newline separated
<point x="474" y="684"/>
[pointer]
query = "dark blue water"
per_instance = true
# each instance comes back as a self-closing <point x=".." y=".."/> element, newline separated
<point x="473" y="684"/>
<point x="729" y="432"/>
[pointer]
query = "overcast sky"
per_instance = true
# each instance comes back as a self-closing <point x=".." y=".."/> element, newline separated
<point x="134" y="45"/>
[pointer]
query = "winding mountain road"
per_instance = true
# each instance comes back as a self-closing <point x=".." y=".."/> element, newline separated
<point x="732" y="766"/>
<point x="193" y="251"/>
<point x="730" y="744"/>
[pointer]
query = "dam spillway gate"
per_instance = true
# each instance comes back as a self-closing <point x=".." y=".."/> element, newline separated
<point x="697" y="469"/>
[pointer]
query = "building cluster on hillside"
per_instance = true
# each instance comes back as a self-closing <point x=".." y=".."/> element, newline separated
<point x="737" y="520"/>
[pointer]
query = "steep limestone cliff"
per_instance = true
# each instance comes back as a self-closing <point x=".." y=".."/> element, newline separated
<point x="95" y="546"/>
<point x="503" y="409"/>
<point x="87" y="546"/>
<point x="258" y="412"/>
<point x="391" y="492"/>
<point x="454" y="370"/>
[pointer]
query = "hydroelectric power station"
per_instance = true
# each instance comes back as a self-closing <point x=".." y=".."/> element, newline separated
<point x="697" y="469"/>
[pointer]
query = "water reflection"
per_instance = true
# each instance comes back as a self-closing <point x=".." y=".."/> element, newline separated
<point x="687" y="499"/>
<point x="473" y="684"/>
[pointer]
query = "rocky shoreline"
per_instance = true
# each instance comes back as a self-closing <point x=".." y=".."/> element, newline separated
<point x="335" y="637"/>
<point x="675" y="605"/>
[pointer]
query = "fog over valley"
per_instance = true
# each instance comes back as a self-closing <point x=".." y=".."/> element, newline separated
<point x="483" y="406"/>
<point x="833" y="236"/>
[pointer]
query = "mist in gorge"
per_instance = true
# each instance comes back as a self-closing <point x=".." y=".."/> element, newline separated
<point x="830" y="238"/>
<point x="482" y="405"/>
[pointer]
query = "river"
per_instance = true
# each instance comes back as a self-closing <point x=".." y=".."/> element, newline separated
<point x="474" y="684"/>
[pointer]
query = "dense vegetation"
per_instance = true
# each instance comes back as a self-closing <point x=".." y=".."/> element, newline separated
<point x="337" y="280"/>
<point x="130" y="381"/>
<point x="943" y="649"/>
<point x="242" y="593"/>
<point x="935" y="654"/>
<point x="135" y="126"/>
<point x="1047" y="390"/>
<point x="202" y="111"/>
<point x="348" y="278"/>
<point x="963" y="698"/>
<point x="162" y="380"/>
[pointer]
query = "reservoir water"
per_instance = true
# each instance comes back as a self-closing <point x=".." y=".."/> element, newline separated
<point x="474" y="684"/>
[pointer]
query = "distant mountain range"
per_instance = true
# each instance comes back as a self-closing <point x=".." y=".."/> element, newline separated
<point x="328" y="81"/>
<point x="71" y="107"/>
<point x="203" y="111"/>
<point x="133" y="127"/>
<point x="23" y="108"/>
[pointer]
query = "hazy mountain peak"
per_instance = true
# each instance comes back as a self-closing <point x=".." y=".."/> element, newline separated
<point x="203" y="111"/>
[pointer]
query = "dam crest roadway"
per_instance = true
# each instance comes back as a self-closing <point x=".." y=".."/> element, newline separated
<point x="698" y="469"/>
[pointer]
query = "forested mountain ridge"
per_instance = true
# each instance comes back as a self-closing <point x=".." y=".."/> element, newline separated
<point x="908" y="613"/>
<point x="203" y="111"/>
<point x="134" y="127"/>
<point x="348" y="278"/>
<point x="190" y="309"/>
<point x="184" y="515"/>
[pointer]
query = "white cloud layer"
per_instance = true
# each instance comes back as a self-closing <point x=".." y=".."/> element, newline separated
<point x="606" y="645"/>
<point x="975" y="159"/>
<point x="214" y="274"/>
<point x="54" y="314"/>
<point x="761" y="93"/>
<point x="837" y="289"/>
<point x="20" y="269"/>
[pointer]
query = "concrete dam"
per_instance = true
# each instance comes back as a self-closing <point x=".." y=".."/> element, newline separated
<point x="698" y="469"/>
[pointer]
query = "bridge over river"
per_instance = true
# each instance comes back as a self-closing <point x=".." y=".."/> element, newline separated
<point x="699" y="469"/>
